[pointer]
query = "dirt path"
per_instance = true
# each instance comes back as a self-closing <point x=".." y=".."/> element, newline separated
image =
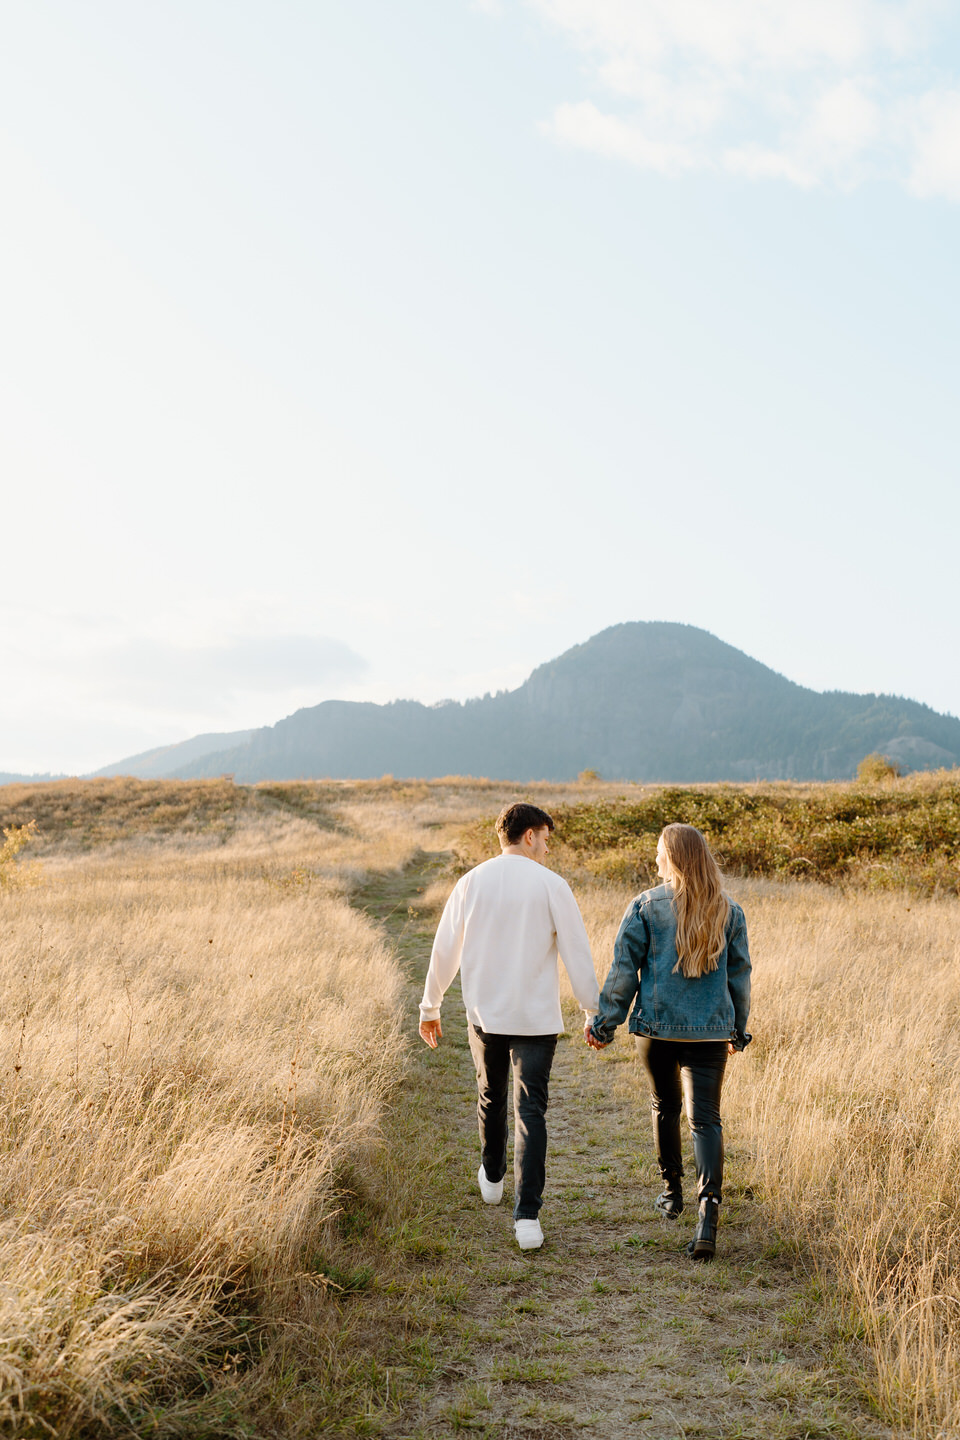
<point x="609" y="1329"/>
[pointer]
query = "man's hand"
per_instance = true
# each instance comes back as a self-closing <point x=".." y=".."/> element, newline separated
<point x="592" y="1040"/>
<point x="430" y="1032"/>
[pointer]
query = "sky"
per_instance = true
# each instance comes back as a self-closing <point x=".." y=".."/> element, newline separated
<point x="359" y="350"/>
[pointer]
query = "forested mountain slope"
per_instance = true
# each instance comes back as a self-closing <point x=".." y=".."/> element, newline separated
<point x="641" y="701"/>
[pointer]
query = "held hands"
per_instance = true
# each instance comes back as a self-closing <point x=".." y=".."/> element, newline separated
<point x="430" y="1032"/>
<point x="596" y="1044"/>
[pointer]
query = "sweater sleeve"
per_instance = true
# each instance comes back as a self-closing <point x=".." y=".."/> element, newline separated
<point x="623" y="980"/>
<point x="738" y="977"/>
<point x="574" y="947"/>
<point x="445" y="956"/>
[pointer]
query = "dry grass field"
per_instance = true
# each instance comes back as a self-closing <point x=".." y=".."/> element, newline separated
<point x="845" y="1113"/>
<point x="187" y="1073"/>
<point x="204" y="1043"/>
<point x="198" y="1036"/>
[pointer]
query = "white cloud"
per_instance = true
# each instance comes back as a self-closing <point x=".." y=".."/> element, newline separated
<point x="737" y="33"/>
<point x="842" y="123"/>
<point x="823" y="92"/>
<point x="694" y="103"/>
<point x="585" y="127"/>
<point x="754" y="162"/>
<point x="936" y="155"/>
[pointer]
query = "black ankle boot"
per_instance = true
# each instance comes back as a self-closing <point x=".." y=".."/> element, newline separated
<point x="703" y="1246"/>
<point x="670" y="1202"/>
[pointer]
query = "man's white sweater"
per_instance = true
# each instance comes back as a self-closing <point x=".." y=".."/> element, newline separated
<point x="502" y="928"/>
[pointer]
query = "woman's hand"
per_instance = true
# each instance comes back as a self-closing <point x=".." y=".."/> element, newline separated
<point x="592" y="1040"/>
<point x="731" y="1048"/>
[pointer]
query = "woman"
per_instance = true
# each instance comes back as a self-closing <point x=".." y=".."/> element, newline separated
<point x="682" y="952"/>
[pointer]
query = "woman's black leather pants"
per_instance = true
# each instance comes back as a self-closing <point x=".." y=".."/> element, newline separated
<point x="685" y="1074"/>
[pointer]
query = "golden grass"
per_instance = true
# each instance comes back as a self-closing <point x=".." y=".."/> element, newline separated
<point x="194" y="1041"/>
<point x="844" y="1114"/>
<point x="76" y="814"/>
<point x="198" y="1036"/>
<point x="189" y="1068"/>
<point x="73" y="814"/>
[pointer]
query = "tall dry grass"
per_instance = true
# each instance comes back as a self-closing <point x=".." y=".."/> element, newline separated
<point x="194" y="1041"/>
<point x="198" y="1033"/>
<point x="844" y="1114"/>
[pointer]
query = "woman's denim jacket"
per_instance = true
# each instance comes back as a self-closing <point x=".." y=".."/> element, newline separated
<point x="670" y="1005"/>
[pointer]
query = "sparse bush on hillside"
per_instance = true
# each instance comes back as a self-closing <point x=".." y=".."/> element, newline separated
<point x="14" y="875"/>
<point x="878" y="767"/>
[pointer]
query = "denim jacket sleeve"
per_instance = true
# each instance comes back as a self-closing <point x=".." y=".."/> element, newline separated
<point x="738" y="978"/>
<point x="623" y="980"/>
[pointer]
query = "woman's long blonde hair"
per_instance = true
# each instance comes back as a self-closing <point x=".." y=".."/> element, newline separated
<point x="699" y="903"/>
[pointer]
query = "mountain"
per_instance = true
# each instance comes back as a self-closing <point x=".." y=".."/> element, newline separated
<point x="8" y="778"/>
<point x="642" y="701"/>
<point x="156" y="764"/>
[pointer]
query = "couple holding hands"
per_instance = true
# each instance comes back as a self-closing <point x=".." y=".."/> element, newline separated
<point x="680" y="961"/>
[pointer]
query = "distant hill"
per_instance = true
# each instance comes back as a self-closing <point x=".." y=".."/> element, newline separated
<point x="7" y="778"/>
<point x="641" y="701"/>
<point x="160" y="763"/>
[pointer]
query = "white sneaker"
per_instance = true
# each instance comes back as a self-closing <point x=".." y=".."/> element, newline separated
<point x="492" y="1191"/>
<point x="529" y="1234"/>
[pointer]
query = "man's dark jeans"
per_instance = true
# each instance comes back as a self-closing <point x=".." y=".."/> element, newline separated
<point x="688" y="1073"/>
<point x="530" y="1057"/>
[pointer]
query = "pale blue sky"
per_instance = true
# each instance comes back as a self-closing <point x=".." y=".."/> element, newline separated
<point x="366" y="350"/>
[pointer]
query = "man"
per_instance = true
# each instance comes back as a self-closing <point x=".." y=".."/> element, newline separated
<point x="502" y="928"/>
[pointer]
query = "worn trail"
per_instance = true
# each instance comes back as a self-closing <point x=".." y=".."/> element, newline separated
<point x="609" y="1329"/>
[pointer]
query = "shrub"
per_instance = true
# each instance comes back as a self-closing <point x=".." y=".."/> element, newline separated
<point x="12" y="874"/>
<point x="878" y="767"/>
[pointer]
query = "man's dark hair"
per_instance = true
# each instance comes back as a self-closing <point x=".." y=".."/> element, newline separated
<point x="515" y="820"/>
